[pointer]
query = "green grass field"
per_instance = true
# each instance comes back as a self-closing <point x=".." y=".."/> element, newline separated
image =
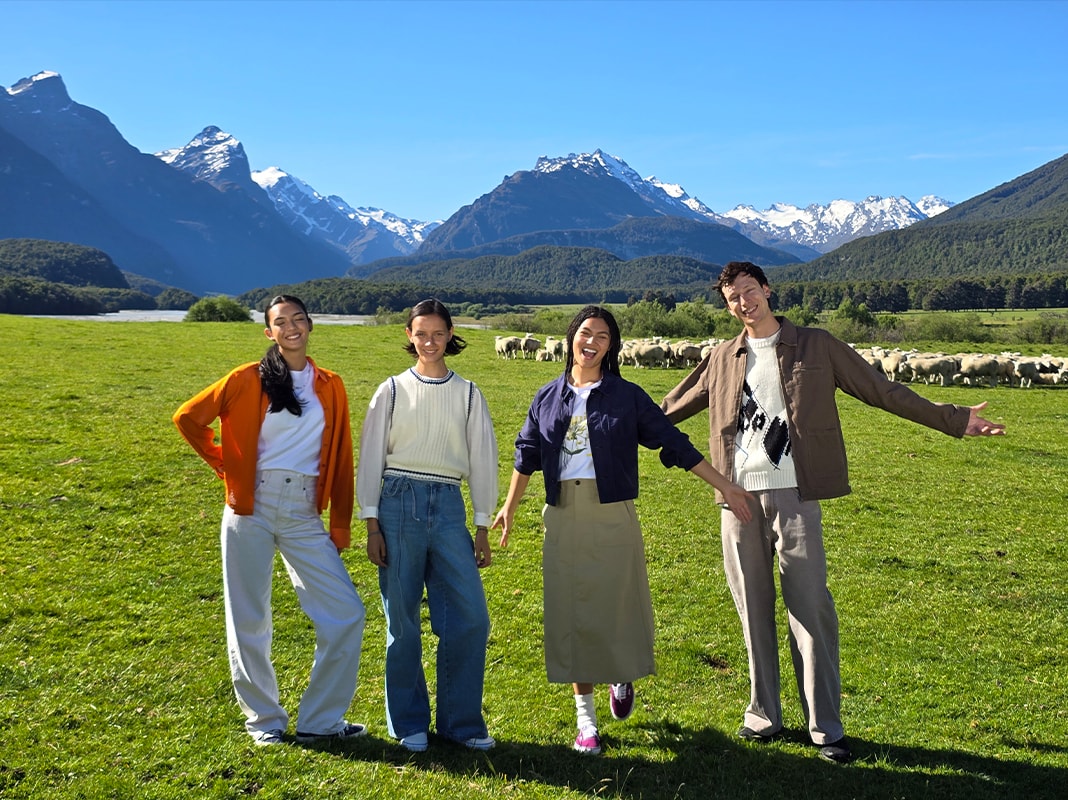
<point x="946" y="565"/>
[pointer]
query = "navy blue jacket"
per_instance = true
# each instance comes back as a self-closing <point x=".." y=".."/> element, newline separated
<point x="620" y="417"/>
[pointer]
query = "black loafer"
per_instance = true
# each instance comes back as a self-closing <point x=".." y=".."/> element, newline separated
<point x="751" y="735"/>
<point x="836" y="752"/>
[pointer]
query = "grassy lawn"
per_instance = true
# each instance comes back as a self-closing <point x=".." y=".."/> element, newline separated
<point x="945" y="565"/>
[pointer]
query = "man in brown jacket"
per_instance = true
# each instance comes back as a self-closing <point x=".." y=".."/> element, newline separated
<point x="774" y="429"/>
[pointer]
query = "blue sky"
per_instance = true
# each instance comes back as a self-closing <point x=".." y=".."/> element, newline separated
<point x="421" y="107"/>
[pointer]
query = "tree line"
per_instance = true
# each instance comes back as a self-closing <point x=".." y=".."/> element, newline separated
<point x="981" y="293"/>
<point x="851" y="322"/>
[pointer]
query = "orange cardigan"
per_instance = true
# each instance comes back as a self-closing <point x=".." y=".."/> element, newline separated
<point x="240" y="404"/>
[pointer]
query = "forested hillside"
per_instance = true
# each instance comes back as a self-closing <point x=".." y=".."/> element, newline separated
<point x="59" y="262"/>
<point x="577" y="271"/>
<point x="633" y="238"/>
<point x="43" y="277"/>
<point x="972" y="249"/>
<point x="1017" y="227"/>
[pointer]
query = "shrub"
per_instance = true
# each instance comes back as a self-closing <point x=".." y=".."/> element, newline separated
<point x="1049" y="328"/>
<point x="218" y="309"/>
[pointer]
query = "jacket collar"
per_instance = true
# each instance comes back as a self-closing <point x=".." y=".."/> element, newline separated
<point x="609" y="381"/>
<point x="320" y="375"/>
<point x="787" y="336"/>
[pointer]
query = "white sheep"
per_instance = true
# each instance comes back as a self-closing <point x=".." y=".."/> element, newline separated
<point x="974" y="368"/>
<point x="650" y="355"/>
<point x="507" y="346"/>
<point x="934" y="367"/>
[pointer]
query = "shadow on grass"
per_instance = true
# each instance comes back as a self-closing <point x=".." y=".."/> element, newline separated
<point x="677" y="762"/>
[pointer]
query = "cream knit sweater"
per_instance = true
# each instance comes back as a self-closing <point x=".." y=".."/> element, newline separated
<point x="436" y="429"/>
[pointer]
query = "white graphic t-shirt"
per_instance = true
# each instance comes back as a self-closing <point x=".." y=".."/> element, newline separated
<point x="576" y="458"/>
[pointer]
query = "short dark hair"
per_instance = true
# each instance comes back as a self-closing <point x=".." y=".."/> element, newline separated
<point x="610" y="362"/>
<point x="434" y="307"/>
<point x="731" y="272"/>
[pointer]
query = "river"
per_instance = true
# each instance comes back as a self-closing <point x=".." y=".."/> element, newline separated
<point x="177" y="316"/>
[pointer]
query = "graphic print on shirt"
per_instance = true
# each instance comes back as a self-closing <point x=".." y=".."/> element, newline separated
<point x="754" y="423"/>
<point x="576" y="441"/>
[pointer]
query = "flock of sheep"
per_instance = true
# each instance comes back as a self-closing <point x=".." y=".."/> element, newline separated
<point x="1010" y="369"/>
<point x="973" y="369"/>
<point x="654" y="352"/>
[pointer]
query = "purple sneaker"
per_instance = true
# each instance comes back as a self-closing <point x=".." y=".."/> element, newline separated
<point x="621" y="699"/>
<point x="588" y="741"/>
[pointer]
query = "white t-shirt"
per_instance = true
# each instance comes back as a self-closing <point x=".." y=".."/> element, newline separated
<point x="576" y="458"/>
<point x="291" y="442"/>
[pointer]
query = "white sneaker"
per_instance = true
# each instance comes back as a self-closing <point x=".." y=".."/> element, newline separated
<point x="480" y="742"/>
<point x="416" y="743"/>
<point x="268" y="738"/>
<point x="350" y="731"/>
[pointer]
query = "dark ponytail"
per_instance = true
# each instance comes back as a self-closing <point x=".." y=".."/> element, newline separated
<point x="275" y="379"/>
<point x="277" y="383"/>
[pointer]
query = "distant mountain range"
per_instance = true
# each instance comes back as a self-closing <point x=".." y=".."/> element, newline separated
<point x="67" y="174"/>
<point x="823" y="228"/>
<point x="198" y="217"/>
<point x="365" y="234"/>
<point x="596" y="191"/>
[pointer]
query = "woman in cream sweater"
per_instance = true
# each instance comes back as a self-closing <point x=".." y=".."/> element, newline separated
<point x="427" y="430"/>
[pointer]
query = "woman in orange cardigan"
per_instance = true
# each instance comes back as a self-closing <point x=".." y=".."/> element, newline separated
<point x="285" y="455"/>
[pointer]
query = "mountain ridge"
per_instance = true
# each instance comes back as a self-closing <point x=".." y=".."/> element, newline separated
<point x="1020" y="226"/>
<point x="213" y="241"/>
<point x="199" y="217"/>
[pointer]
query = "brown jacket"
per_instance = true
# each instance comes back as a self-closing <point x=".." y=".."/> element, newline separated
<point x="812" y="365"/>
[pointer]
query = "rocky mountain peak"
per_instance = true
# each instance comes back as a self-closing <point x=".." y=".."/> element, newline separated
<point x="213" y="156"/>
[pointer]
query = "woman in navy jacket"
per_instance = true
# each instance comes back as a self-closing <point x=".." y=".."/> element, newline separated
<point x="582" y="431"/>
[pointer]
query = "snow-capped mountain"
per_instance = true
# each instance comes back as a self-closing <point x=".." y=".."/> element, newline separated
<point x="67" y="174"/>
<point x="213" y="156"/>
<point x="366" y="234"/>
<point x="804" y="232"/>
<point x="931" y="205"/>
<point x="665" y="198"/>
<point x="825" y="227"/>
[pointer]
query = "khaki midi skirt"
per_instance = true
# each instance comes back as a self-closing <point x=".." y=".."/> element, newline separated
<point x="598" y="611"/>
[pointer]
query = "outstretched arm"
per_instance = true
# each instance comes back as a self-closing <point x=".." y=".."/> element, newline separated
<point x="977" y="426"/>
<point x="738" y="499"/>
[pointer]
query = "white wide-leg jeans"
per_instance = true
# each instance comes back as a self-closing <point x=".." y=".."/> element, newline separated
<point x="285" y="519"/>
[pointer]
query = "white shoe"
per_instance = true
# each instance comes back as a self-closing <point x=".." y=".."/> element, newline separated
<point x="350" y="731"/>
<point x="416" y="743"/>
<point x="267" y="738"/>
<point x="480" y="742"/>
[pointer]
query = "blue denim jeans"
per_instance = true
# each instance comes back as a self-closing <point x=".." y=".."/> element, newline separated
<point x="428" y="543"/>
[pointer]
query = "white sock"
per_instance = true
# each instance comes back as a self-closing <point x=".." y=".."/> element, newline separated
<point x="585" y="711"/>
